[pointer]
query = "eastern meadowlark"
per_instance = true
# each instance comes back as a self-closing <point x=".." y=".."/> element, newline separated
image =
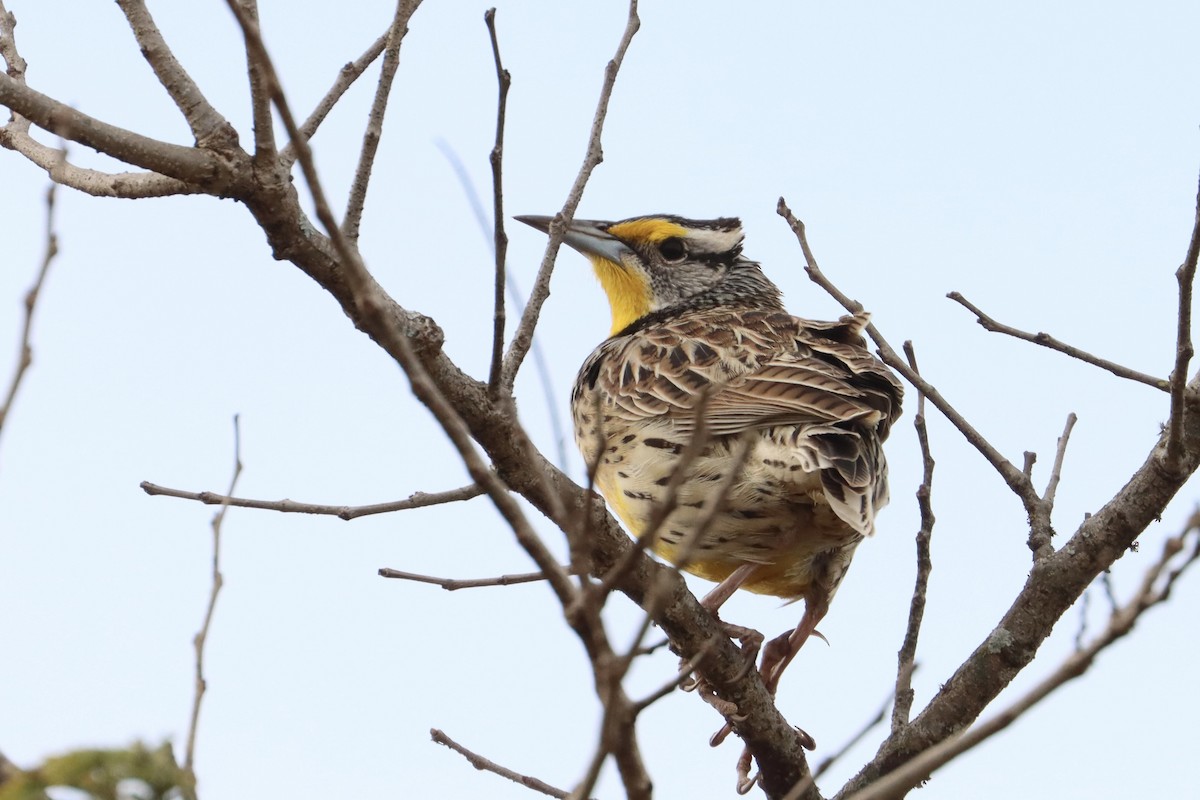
<point x="701" y="346"/>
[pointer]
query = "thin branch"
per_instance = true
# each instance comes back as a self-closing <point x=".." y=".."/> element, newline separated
<point x="351" y="263"/>
<point x="618" y="735"/>
<point x="906" y="659"/>
<point x="25" y="356"/>
<point x="500" y="238"/>
<point x="480" y="763"/>
<point x="189" y="760"/>
<point x="1060" y="453"/>
<point x="416" y="500"/>
<point x="260" y="100"/>
<point x="517" y="298"/>
<point x="1017" y="481"/>
<point x="1046" y="340"/>
<point x="209" y="127"/>
<point x="126" y="185"/>
<point x="800" y="788"/>
<point x="1153" y="591"/>
<point x="541" y="288"/>
<point x="374" y="130"/>
<point x="347" y="75"/>
<point x="1185" y="275"/>
<point x="454" y="584"/>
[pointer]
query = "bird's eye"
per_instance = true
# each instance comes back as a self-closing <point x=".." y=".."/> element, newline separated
<point x="673" y="249"/>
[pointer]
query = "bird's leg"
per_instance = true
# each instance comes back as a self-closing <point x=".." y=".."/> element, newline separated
<point x="745" y="781"/>
<point x="725" y="589"/>
<point x="751" y="639"/>
<point x="776" y="656"/>
<point x="780" y="651"/>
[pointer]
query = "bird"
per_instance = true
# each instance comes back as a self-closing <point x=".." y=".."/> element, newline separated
<point x="746" y="442"/>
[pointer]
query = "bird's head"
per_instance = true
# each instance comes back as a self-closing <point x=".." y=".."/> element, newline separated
<point x="655" y="263"/>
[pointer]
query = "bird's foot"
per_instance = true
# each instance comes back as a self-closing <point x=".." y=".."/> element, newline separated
<point x="745" y="780"/>
<point x="751" y="643"/>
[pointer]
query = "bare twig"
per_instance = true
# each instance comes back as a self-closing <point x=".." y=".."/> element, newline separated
<point x="415" y="500"/>
<point x="499" y="237"/>
<point x="201" y="637"/>
<point x="454" y="584"/>
<point x="480" y="763"/>
<point x="260" y="100"/>
<point x="25" y="356"/>
<point x="1015" y="479"/>
<point x="906" y="659"/>
<point x="1059" y="453"/>
<point x="1156" y="588"/>
<point x="1046" y="340"/>
<point x="800" y="788"/>
<point x="347" y="75"/>
<point x="127" y="185"/>
<point x="1041" y="531"/>
<point x="209" y="127"/>
<point x="351" y="262"/>
<point x="1018" y="481"/>
<point x="1185" y="275"/>
<point x="374" y="129"/>
<point x="541" y="288"/>
<point x="517" y="298"/>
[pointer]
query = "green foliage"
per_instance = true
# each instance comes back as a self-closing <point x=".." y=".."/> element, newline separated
<point x="100" y="774"/>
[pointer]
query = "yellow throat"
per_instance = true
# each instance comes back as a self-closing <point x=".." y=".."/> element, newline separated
<point x="628" y="289"/>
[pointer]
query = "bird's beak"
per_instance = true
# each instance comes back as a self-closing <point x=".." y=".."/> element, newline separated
<point x="587" y="236"/>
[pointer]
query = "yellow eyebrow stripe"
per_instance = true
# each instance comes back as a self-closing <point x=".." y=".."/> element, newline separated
<point x="646" y="230"/>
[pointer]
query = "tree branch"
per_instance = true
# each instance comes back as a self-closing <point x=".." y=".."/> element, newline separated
<point x="187" y="164"/>
<point x="25" y="356"/>
<point x="416" y="500"/>
<point x="211" y="129"/>
<point x="1046" y="340"/>
<point x="1060" y="453"/>
<point x="348" y="74"/>
<point x="260" y="98"/>
<point x="1185" y="275"/>
<point x="189" y="760"/>
<point x="14" y="135"/>
<point x="523" y="338"/>
<point x="907" y="657"/>
<point x="454" y="584"/>
<point x="480" y="763"/>
<point x="374" y="130"/>
<point x="499" y="237"/>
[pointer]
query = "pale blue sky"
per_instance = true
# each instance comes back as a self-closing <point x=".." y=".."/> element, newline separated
<point x="1041" y="160"/>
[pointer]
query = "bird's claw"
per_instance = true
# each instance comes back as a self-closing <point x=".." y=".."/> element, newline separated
<point x="746" y="781"/>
